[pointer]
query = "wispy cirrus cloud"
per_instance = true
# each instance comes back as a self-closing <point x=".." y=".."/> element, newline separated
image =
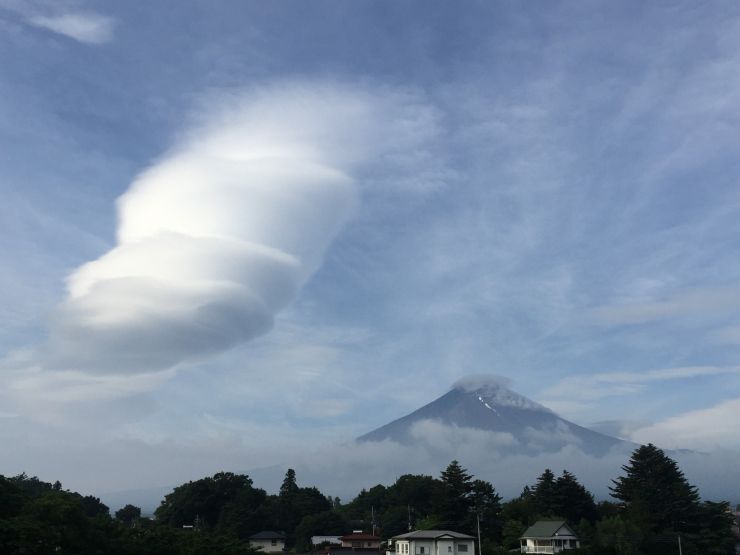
<point x="574" y="392"/>
<point x="680" y="304"/>
<point x="85" y="27"/>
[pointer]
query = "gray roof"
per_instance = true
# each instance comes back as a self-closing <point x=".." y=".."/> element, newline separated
<point x="544" y="529"/>
<point x="267" y="535"/>
<point x="432" y="535"/>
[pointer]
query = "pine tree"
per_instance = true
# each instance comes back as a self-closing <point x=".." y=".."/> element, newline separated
<point x="453" y="501"/>
<point x="572" y="501"/>
<point x="655" y="492"/>
<point x="543" y="494"/>
<point x="289" y="486"/>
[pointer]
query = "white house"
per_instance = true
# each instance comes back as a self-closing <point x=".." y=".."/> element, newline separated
<point x="268" y="541"/>
<point x="549" y="536"/>
<point x="434" y="542"/>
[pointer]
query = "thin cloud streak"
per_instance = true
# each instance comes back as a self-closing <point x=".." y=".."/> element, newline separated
<point x="88" y="28"/>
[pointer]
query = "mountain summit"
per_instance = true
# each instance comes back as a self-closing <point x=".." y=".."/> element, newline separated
<point x="486" y="403"/>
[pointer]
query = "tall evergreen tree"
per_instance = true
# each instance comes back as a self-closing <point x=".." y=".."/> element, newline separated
<point x="543" y="494"/>
<point x="486" y="506"/>
<point x="655" y="492"/>
<point x="572" y="501"/>
<point x="453" y="501"/>
<point x="290" y="485"/>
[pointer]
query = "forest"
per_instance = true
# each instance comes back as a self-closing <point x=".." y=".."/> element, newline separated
<point x="652" y="504"/>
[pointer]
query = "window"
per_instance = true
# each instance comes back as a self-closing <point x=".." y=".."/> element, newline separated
<point x="356" y="544"/>
<point x="462" y="548"/>
<point x="449" y="549"/>
<point x="274" y="542"/>
<point x="421" y="550"/>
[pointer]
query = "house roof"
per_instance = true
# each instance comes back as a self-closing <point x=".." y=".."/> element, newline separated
<point x="543" y="529"/>
<point x="432" y="535"/>
<point x="350" y="537"/>
<point x="267" y="535"/>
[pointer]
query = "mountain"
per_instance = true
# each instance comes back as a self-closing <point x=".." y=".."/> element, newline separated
<point x="488" y="404"/>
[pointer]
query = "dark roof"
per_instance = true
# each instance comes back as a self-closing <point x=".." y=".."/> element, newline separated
<point x="267" y="535"/>
<point x="432" y="535"/>
<point x="359" y="537"/>
<point x="548" y="529"/>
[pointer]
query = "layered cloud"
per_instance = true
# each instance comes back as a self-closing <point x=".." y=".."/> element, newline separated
<point x="219" y="235"/>
<point x="709" y="428"/>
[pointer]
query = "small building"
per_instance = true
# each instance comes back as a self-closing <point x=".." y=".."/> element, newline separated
<point x="360" y="540"/>
<point x="549" y="536"/>
<point x="434" y="542"/>
<point x="268" y="541"/>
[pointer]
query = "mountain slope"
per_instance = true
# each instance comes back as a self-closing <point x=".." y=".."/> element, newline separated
<point x="488" y="404"/>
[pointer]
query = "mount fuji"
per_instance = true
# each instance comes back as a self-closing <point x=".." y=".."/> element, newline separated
<point x="486" y="403"/>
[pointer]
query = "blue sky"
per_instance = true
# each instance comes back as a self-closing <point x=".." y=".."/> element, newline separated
<point x="544" y="191"/>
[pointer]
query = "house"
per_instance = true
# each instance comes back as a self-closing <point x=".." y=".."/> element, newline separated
<point x="360" y="540"/>
<point x="269" y="541"/>
<point x="549" y="536"/>
<point x="434" y="542"/>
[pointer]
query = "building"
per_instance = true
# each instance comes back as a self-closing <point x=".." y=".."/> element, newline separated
<point x="360" y="540"/>
<point x="268" y="541"/>
<point x="549" y="536"/>
<point x="434" y="542"/>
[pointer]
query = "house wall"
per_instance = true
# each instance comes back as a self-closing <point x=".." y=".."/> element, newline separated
<point x="418" y="545"/>
<point x="267" y="546"/>
<point x="435" y="547"/>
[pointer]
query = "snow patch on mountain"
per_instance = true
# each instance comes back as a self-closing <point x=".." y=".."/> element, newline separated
<point x="494" y="390"/>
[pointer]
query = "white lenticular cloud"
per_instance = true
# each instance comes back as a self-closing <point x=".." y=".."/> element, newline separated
<point x="220" y="235"/>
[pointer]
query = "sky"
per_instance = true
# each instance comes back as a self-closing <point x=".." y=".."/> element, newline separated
<point x="236" y="231"/>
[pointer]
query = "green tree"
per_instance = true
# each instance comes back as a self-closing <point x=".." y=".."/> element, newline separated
<point x="714" y="530"/>
<point x="543" y="495"/>
<point x="395" y="521"/>
<point x="512" y="531"/>
<point x="453" y="501"/>
<point x="572" y="501"/>
<point x="289" y="486"/>
<point x="655" y="492"/>
<point x="619" y="536"/>
<point x="93" y="507"/>
<point x="414" y="491"/>
<point x="203" y="499"/>
<point x="485" y="504"/>
<point x="128" y="515"/>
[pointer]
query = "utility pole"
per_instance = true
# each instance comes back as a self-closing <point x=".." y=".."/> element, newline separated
<point x="480" y="547"/>
<point x="679" y="545"/>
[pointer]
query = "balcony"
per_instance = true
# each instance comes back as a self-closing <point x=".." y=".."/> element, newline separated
<point x="549" y="549"/>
